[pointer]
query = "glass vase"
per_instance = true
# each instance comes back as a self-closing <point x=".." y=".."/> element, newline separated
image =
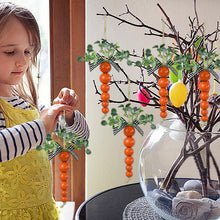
<point x="179" y="172"/>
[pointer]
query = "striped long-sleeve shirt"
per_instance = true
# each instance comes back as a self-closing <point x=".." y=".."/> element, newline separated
<point x="18" y="140"/>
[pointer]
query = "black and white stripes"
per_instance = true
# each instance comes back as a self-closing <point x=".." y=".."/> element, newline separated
<point x="18" y="140"/>
<point x="79" y="126"/>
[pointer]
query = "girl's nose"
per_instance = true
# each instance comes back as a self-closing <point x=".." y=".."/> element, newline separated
<point x="21" y="60"/>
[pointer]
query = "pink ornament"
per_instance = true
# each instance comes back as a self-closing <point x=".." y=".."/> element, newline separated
<point x="141" y="97"/>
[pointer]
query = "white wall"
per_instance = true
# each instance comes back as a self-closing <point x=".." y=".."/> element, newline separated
<point x="105" y="167"/>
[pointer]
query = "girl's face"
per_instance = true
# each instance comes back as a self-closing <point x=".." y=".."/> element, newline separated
<point x="15" y="54"/>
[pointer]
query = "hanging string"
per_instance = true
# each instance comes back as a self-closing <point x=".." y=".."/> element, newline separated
<point x="163" y="39"/>
<point x="163" y="29"/>
<point x="105" y="26"/>
<point x="105" y="35"/>
<point x="204" y="35"/>
<point x="173" y="48"/>
<point x="129" y="90"/>
<point x="129" y="96"/>
<point x="64" y="127"/>
<point x="214" y="82"/>
<point x="205" y="62"/>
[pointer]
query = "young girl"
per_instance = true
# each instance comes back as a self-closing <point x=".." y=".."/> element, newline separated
<point x="25" y="173"/>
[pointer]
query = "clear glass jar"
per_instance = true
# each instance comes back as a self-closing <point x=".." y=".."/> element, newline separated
<point x="179" y="172"/>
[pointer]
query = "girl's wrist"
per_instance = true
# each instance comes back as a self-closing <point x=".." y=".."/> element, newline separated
<point x="70" y="119"/>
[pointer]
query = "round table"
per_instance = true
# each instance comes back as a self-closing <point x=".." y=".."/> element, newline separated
<point x="110" y="204"/>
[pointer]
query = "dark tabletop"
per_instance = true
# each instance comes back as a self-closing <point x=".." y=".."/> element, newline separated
<point x="110" y="204"/>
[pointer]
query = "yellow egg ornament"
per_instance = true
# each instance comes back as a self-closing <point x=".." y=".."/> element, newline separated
<point x="178" y="94"/>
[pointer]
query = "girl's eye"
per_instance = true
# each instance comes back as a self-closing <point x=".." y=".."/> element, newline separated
<point x="27" y="52"/>
<point x="9" y="53"/>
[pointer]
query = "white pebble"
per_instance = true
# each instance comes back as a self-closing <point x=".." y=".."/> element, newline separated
<point x="189" y="195"/>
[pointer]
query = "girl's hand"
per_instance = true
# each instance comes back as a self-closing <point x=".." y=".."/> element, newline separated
<point x="50" y="115"/>
<point x="68" y="97"/>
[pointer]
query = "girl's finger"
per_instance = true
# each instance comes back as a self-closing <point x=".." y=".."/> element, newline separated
<point x="59" y="108"/>
<point x="66" y="95"/>
<point x="61" y="93"/>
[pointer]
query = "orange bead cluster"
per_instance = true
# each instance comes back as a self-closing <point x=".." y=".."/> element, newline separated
<point x="163" y="82"/>
<point x="204" y="87"/>
<point x="129" y="142"/>
<point x="105" y="79"/>
<point x="64" y="167"/>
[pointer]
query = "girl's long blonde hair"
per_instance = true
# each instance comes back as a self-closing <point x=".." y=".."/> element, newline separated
<point x="26" y="90"/>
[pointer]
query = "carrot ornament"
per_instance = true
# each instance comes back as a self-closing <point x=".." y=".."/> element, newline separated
<point x="62" y="143"/>
<point x="204" y="87"/>
<point x="165" y="69"/>
<point x="163" y="82"/>
<point x="129" y="142"/>
<point x="64" y="167"/>
<point x="129" y="125"/>
<point x="105" y="78"/>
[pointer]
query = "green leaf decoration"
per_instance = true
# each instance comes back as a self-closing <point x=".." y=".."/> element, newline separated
<point x="138" y="63"/>
<point x="148" y="53"/>
<point x="88" y="151"/>
<point x="89" y="48"/>
<point x="129" y="63"/>
<point x="70" y="139"/>
<point x="80" y="59"/>
<point x="38" y="148"/>
<point x="131" y="116"/>
<point x="198" y="42"/>
<point x="172" y="75"/>
<point x="113" y="112"/>
<point x="153" y="126"/>
<point x="104" y="122"/>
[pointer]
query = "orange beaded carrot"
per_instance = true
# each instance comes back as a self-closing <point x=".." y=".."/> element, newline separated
<point x="64" y="167"/>
<point x="163" y="82"/>
<point x="105" y="79"/>
<point x="204" y="87"/>
<point x="129" y="142"/>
